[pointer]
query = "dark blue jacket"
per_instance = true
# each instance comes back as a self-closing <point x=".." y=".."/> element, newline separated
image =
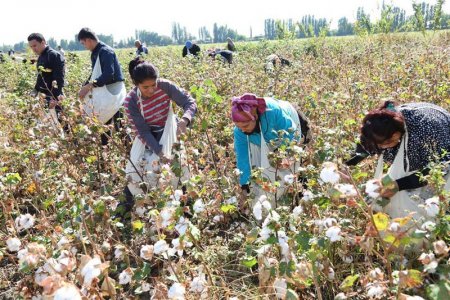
<point x="50" y="66"/>
<point x="141" y="49"/>
<point x="111" y="71"/>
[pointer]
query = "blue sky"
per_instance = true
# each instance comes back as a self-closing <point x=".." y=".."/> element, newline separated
<point x="63" y="18"/>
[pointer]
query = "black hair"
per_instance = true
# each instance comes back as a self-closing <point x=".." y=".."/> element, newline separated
<point x="87" y="33"/>
<point x="37" y="37"/>
<point x="141" y="70"/>
<point x="380" y="125"/>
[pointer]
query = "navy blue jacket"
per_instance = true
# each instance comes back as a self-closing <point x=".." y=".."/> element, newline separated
<point x="111" y="71"/>
<point x="50" y="66"/>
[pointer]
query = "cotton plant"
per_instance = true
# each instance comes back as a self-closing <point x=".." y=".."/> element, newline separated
<point x="91" y="270"/>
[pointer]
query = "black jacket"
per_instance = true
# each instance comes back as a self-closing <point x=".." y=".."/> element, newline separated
<point x="195" y="50"/>
<point x="50" y="66"/>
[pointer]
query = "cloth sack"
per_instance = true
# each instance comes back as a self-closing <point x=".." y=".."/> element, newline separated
<point x="406" y="201"/>
<point x="144" y="164"/>
<point x="103" y="102"/>
<point x="258" y="157"/>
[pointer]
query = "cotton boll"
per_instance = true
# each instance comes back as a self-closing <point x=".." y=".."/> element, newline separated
<point x="160" y="247"/>
<point x="334" y="234"/>
<point x="329" y="173"/>
<point x="432" y="206"/>
<point x="67" y="292"/>
<point x="372" y="188"/>
<point x="13" y="244"/>
<point x="125" y="276"/>
<point x="257" y="211"/>
<point x="24" y="222"/>
<point x="176" y="291"/>
<point x="147" y="252"/>
<point x="199" y="206"/>
<point x="289" y="179"/>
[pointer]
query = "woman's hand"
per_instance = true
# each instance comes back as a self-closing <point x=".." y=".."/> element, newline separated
<point x="388" y="186"/>
<point x="182" y="126"/>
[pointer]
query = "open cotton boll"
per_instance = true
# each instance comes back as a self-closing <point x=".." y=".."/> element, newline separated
<point x="67" y="292"/>
<point x="182" y="225"/>
<point x="160" y="247"/>
<point x="334" y="234"/>
<point x="147" y="252"/>
<point x="432" y="206"/>
<point x="24" y="222"/>
<point x="346" y="189"/>
<point x="372" y="188"/>
<point x="13" y="244"/>
<point x="199" y="206"/>
<point x="257" y="211"/>
<point x="298" y="210"/>
<point x="289" y="178"/>
<point x="308" y="196"/>
<point x="198" y="283"/>
<point x="329" y="173"/>
<point x="375" y="291"/>
<point x="176" y="291"/>
<point x="125" y="276"/>
<point x="91" y="271"/>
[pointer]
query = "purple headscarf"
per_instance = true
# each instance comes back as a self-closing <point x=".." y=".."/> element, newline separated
<point x="241" y="107"/>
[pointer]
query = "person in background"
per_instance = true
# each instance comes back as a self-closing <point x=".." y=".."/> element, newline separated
<point x="50" y="67"/>
<point x="191" y="48"/>
<point x="140" y="48"/>
<point x="11" y="52"/>
<point x="230" y="45"/>
<point x="226" y="55"/>
<point x="61" y="51"/>
<point x="111" y="72"/>
<point x="273" y="61"/>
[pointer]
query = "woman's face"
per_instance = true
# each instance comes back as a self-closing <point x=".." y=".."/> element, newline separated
<point x="391" y="142"/>
<point x="147" y="87"/>
<point x="246" y="127"/>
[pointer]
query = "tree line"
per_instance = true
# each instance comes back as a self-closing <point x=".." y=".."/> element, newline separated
<point x="392" y="19"/>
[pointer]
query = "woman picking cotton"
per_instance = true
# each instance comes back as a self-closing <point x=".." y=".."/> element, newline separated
<point x="148" y="107"/>
<point x="261" y="126"/>
<point x="408" y="137"/>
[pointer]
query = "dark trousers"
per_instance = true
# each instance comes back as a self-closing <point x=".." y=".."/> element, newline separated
<point x="116" y="120"/>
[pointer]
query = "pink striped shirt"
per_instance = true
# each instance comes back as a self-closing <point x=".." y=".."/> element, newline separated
<point x="155" y="110"/>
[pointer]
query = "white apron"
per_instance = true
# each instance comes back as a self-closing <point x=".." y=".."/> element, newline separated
<point x="105" y="101"/>
<point x="258" y="157"/>
<point x="145" y="165"/>
<point x="406" y="201"/>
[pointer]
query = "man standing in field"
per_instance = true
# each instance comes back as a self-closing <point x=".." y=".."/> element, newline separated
<point x="140" y="48"/>
<point x="105" y="83"/>
<point x="50" y="66"/>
